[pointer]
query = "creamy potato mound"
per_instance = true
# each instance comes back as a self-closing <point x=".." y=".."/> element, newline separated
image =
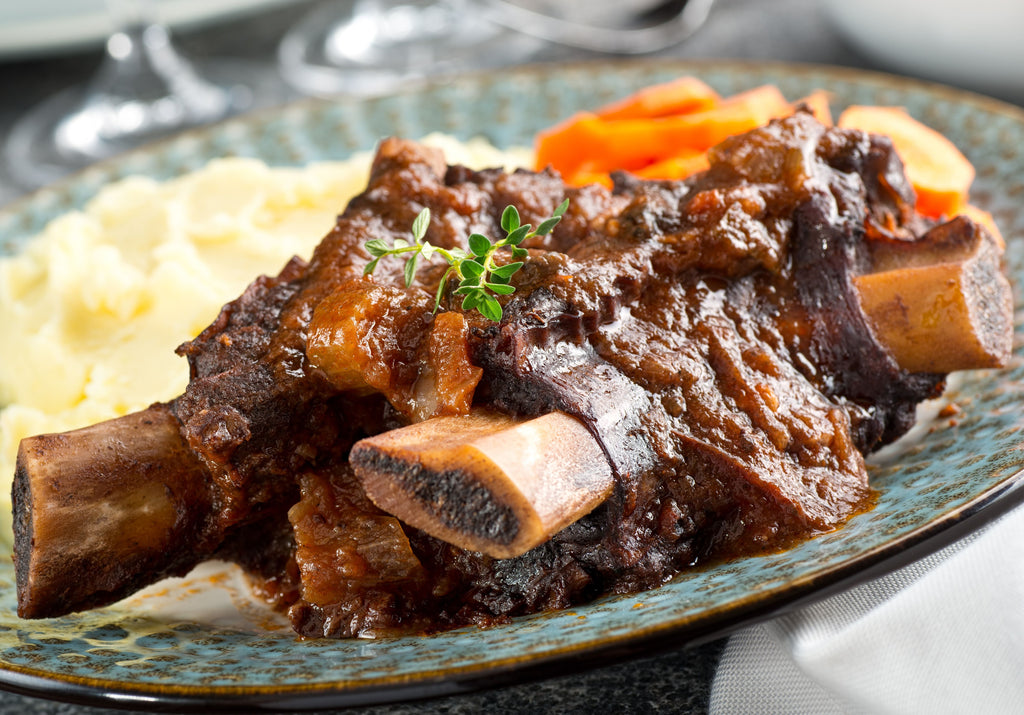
<point x="93" y="308"/>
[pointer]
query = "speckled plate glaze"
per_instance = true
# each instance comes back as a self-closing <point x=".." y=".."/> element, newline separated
<point x="949" y="476"/>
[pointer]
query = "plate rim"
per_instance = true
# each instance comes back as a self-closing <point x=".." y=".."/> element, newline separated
<point x="924" y="541"/>
<point x="428" y="85"/>
<point x="566" y="659"/>
<point x="89" y="25"/>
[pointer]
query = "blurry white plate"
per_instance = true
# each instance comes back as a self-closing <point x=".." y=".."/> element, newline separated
<point x="57" y="26"/>
<point x="971" y="43"/>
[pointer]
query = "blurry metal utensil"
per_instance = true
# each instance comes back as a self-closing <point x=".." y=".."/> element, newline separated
<point x="368" y="47"/>
<point x="371" y="47"/>
<point x="613" y="26"/>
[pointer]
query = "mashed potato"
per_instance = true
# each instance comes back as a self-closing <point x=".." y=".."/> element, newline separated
<point x="92" y="309"/>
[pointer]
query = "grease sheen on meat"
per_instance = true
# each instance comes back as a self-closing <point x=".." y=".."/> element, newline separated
<point x="706" y="331"/>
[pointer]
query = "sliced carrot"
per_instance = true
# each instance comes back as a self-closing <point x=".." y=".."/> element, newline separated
<point x="583" y="177"/>
<point x="818" y="102"/>
<point x="679" y="96"/>
<point x="631" y="144"/>
<point x="675" y="167"/>
<point x="560" y="146"/>
<point x="763" y="103"/>
<point x="586" y="139"/>
<point x="939" y="173"/>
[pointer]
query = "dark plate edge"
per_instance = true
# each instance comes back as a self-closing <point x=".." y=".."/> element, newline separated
<point x="922" y="542"/>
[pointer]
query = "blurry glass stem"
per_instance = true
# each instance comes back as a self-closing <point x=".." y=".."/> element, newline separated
<point x="144" y="90"/>
<point x="145" y="87"/>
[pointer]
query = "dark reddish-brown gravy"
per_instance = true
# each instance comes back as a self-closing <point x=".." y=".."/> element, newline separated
<point x="707" y="332"/>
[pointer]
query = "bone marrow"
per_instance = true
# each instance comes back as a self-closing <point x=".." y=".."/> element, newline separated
<point x="106" y="510"/>
<point x="486" y="482"/>
<point x="683" y="371"/>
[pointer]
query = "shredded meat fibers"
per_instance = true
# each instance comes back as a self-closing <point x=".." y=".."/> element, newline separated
<point x="706" y="331"/>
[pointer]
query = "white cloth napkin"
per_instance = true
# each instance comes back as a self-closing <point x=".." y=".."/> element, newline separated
<point x="943" y="635"/>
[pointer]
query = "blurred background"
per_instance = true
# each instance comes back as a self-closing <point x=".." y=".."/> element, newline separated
<point x="84" y="79"/>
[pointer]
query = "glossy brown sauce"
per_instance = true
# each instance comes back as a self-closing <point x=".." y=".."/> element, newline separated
<point x="707" y="332"/>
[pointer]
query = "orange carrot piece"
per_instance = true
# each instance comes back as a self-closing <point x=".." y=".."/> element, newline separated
<point x="764" y="103"/>
<point x="560" y="146"/>
<point x="584" y="177"/>
<point x="939" y="173"/>
<point x="675" y="167"/>
<point x="588" y="139"/>
<point x="631" y="144"/>
<point x="679" y="96"/>
<point x="818" y="102"/>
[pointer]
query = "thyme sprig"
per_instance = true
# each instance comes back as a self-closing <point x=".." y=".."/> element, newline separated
<point x="480" y="279"/>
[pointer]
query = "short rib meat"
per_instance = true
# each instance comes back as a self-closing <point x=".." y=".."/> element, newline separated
<point x="708" y="335"/>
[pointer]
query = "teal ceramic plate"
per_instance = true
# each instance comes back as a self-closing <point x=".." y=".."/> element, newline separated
<point x="210" y="647"/>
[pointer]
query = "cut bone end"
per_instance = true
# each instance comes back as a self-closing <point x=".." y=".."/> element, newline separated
<point x="489" y="483"/>
<point x="486" y="482"/>
<point x="99" y="509"/>
<point x="947" y="316"/>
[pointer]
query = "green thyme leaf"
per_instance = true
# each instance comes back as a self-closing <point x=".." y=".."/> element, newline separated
<point x="509" y="219"/>
<point x="419" y="225"/>
<point x="410" y="270"/>
<point x="472" y="269"/>
<point x="376" y="247"/>
<point x="519" y="235"/>
<point x="479" y="244"/>
<point x="506" y="270"/>
<point x="490" y="308"/>
<point x="439" y="295"/>
<point x="471" y="301"/>
<point x="546" y="226"/>
<point x="479" y="279"/>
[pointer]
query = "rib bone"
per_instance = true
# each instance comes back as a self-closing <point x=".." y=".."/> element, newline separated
<point x="146" y="496"/>
<point x="944" y="315"/>
<point x="486" y="482"/>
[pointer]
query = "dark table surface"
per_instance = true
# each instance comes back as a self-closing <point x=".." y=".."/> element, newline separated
<point x="677" y="681"/>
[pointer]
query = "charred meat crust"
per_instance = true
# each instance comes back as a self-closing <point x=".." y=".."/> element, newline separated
<point x="707" y="332"/>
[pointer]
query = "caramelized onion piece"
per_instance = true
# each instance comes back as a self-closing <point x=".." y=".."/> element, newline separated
<point x="486" y="482"/>
<point x="366" y="337"/>
<point x="336" y="550"/>
<point x="354" y="335"/>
